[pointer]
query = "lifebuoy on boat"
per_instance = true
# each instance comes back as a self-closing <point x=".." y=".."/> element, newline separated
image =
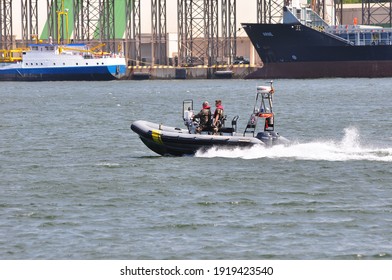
<point x="265" y="115"/>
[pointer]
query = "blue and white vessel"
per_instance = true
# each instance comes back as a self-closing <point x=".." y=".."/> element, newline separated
<point x="52" y="62"/>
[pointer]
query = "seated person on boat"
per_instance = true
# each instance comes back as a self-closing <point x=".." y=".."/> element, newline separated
<point x="218" y="119"/>
<point x="205" y="118"/>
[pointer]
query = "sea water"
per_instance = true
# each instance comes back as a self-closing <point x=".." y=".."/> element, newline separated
<point x="77" y="183"/>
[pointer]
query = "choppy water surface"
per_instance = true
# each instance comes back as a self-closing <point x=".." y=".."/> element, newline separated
<point x="76" y="183"/>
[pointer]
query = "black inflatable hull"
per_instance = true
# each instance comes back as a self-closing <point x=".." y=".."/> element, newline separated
<point x="171" y="141"/>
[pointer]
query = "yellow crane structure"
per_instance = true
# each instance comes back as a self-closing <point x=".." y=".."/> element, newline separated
<point x="11" y="56"/>
<point x="89" y="50"/>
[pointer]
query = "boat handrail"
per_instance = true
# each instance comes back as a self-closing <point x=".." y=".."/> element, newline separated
<point x="336" y="37"/>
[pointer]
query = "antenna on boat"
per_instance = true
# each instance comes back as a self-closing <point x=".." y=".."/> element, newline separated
<point x="60" y="27"/>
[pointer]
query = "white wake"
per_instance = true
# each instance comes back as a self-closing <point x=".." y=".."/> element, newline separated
<point x="347" y="149"/>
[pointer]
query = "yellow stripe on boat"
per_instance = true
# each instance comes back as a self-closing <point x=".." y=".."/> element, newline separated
<point x="156" y="136"/>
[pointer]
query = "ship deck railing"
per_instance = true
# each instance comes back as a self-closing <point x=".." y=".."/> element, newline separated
<point x="10" y="56"/>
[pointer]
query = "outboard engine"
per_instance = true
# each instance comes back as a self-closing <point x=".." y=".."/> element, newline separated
<point x="272" y="138"/>
<point x="266" y="137"/>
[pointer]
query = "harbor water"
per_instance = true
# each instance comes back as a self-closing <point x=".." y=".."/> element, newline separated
<point x="77" y="183"/>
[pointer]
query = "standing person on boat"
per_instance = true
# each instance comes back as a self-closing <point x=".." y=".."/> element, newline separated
<point x="205" y="117"/>
<point x="217" y="120"/>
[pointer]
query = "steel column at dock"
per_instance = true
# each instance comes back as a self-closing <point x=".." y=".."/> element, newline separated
<point x="6" y="34"/>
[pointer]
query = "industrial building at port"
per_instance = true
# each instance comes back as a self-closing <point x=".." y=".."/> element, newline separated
<point x="161" y="38"/>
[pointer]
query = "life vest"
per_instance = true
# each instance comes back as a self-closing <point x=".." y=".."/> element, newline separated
<point x="220" y="112"/>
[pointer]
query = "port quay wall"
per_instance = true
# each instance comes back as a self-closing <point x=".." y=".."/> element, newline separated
<point x="197" y="72"/>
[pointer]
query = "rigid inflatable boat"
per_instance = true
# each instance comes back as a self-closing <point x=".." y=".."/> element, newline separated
<point x="174" y="141"/>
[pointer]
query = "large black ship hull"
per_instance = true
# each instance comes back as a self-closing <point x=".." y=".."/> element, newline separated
<point x="324" y="69"/>
<point x="297" y="51"/>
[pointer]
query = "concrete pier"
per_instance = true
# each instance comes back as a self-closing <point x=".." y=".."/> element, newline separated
<point x="199" y="72"/>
